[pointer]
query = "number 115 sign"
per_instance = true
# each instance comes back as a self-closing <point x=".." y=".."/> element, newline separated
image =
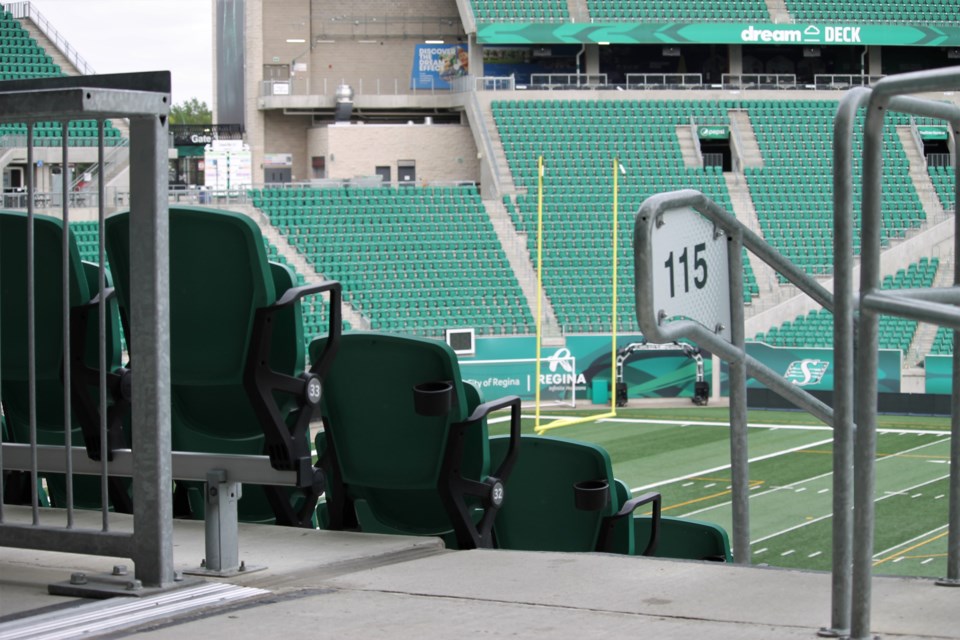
<point x="682" y="268"/>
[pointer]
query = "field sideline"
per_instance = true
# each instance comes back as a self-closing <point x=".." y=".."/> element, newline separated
<point x="684" y="454"/>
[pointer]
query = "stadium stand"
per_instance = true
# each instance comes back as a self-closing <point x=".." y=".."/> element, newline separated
<point x="793" y="190"/>
<point x="521" y="10"/>
<point x="654" y="11"/>
<point x="412" y="259"/>
<point x="815" y="329"/>
<point x="885" y="11"/>
<point x="579" y="140"/>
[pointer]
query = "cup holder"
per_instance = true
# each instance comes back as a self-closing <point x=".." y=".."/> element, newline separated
<point x="591" y="495"/>
<point x="433" y="398"/>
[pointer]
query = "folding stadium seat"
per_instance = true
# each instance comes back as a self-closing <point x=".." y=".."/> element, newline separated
<point x="237" y="353"/>
<point x="405" y="445"/>
<point x="564" y="498"/>
<point x="49" y="353"/>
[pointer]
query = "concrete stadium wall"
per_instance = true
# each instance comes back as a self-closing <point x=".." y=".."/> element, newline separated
<point x="443" y="153"/>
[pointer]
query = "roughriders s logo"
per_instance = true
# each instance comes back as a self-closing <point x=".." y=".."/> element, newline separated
<point x="806" y="372"/>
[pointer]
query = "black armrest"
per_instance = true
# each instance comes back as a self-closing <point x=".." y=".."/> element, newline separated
<point x="605" y="539"/>
<point x="283" y="442"/>
<point x="454" y="488"/>
<point x="485" y="409"/>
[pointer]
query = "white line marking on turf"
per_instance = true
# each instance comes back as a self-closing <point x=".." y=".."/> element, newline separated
<point x="909" y="542"/>
<point x="759" y="551"/>
<point x="704" y="472"/>
<point x="916" y="495"/>
<point x="898" y="559"/>
<point x="801" y="489"/>
<point x="815" y="554"/>
<point x="938" y="497"/>
<point x="830" y="515"/>
<point x="788" y="553"/>
<point x="686" y="484"/>
<point x="823" y="490"/>
<point x="938" y="461"/>
<point x="927" y="561"/>
<point x="712" y="484"/>
<point x="759" y="425"/>
<point x="823" y="475"/>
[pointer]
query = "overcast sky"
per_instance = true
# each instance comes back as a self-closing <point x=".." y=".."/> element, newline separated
<point x="118" y="36"/>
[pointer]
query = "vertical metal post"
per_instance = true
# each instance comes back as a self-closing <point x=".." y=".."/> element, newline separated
<point x="65" y="317"/>
<point x="865" y="442"/>
<point x="150" y="342"/>
<point x="739" y="455"/>
<point x="843" y="355"/>
<point x="221" y="540"/>
<point x="953" y="537"/>
<point x="102" y="328"/>
<point x="31" y="330"/>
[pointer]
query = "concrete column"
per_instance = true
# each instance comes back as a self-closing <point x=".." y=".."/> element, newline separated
<point x="476" y="55"/>
<point x="592" y="59"/>
<point x="875" y="61"/>
<point x="736" y="59"/>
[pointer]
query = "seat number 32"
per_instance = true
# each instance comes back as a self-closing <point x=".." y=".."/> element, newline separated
<point x="699" y="268"/>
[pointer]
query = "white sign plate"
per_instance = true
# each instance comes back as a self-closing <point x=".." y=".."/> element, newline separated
<point x="690" y="271"/>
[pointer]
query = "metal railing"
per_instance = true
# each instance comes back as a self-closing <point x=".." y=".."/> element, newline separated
<point x="664" y="81"/>
<point x="759" y="81"/>
<point x="843" y="81"/>
<point x="150" y="544"/>
<point x="26" y="10"/>
<point x="567" y="80"/>
<point x="856" y="310"/>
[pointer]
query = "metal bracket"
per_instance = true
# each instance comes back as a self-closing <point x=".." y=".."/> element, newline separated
<point x="221" y="529"/>
<point x="119" y="582"/>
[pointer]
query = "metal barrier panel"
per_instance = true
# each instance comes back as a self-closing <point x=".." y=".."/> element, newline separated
<point x="144" y="100"/>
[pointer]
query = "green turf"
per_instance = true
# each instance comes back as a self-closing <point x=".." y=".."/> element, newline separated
<point x="791" y="480"/>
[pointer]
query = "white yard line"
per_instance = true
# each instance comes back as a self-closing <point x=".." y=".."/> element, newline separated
<point x="727" y="466"/>
<point x="830" y="515"/>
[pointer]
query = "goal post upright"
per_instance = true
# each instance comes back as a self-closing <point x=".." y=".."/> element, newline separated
<point x="540" y="429"/>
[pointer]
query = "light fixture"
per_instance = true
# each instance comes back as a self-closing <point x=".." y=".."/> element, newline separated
<point x="325" y="41"/>
<point x="603" y="44"/>
<point x="433" y="41"/>
<point x="295" y="41"/>
<point x="367" y="41"/>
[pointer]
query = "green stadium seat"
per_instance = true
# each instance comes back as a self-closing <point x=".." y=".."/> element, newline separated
<point x="563" y="498"/>
<point x="682" y="538"/>
<point x="237" y="353"/>
<point x="397" y="466"/>
<point x="50" y="352"/>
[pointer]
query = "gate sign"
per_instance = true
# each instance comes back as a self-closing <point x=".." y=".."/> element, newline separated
<point x="685" y="262"/>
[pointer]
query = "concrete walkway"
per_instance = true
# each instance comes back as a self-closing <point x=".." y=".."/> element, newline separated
<point x="331" y="584"/>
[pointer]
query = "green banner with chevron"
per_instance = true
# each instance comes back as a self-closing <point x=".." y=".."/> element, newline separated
<point x="719" y="33"/>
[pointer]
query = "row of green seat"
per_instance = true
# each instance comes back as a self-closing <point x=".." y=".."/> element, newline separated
<point x="815" y="329"/>
<point x="429" y="242"/>
<point x="426" y="467"/>
<point x="579" y="221"/>
<point x="885" y="11"/>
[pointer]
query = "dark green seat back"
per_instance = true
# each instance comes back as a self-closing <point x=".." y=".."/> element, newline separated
<point x="219" y="277"/>
<point x="389" y="456"/>
<point x="686" y="539"/>
<point x="539" y="512"/>
<point x="678" y="537"/>
<point x="48" y="305"/>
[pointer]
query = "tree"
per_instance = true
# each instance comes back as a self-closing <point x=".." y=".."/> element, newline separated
<point x="191" y="111"/>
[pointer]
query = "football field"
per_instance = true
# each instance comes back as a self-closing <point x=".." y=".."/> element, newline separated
<point x="685" y="454"/>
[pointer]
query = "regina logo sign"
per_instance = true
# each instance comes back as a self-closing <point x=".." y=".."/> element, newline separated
<point x="806" y="372"/>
